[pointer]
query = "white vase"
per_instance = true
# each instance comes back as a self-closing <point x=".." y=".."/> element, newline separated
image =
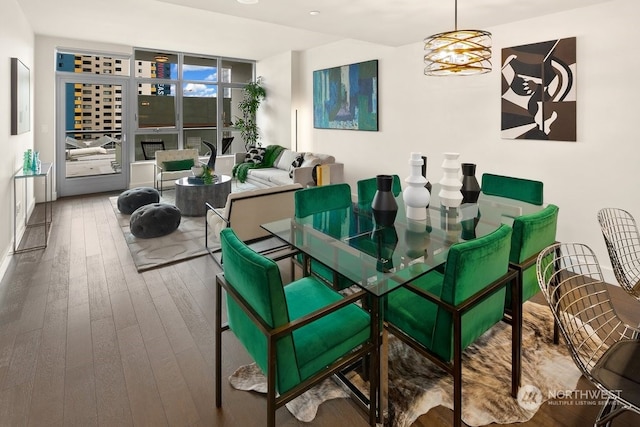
<point x="416" y="196"/>
<point x="450" y="195"/>
<point x="197" y="170"/>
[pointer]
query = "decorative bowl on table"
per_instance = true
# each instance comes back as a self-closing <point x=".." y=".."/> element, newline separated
<point x="197" y="170"/>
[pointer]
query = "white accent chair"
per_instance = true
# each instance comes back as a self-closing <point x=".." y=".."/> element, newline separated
<point x="245" y="212"/>
<point x="166" y="175"/>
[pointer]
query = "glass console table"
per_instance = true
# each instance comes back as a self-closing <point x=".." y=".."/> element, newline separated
<point x="43" y="172"/>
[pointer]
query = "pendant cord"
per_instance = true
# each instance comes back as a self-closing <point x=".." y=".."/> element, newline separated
<point x="455" y="26"/>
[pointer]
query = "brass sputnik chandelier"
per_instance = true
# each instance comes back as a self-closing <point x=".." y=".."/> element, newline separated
<point x="458" y="52"/>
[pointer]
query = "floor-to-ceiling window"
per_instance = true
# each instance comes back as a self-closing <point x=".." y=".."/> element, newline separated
<point x="184" y="99"/>
<point x="110" y="105"/>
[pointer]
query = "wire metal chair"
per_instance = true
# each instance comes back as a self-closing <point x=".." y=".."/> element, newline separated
<point x="603" y="347"/>
<point x="622" y="238"/>
<point x="150" y="146"/>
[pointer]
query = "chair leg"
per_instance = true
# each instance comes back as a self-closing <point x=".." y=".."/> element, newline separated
<point x="218" y="361"/>
<point x="609" y="411"/>
<point x="457" y="369"/>
<point x="457" y="393"/>
<point x="271" y="385"/>
<point x="373" y="365"/>
<point x="516" y="331"/>
<point x="206" y="234"/>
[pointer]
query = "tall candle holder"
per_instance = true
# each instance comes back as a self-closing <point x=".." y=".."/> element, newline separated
<point x="450" y="195"/>
<point x="416" y="196"/>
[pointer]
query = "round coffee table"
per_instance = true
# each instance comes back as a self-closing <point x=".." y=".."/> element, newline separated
<point x="192" y="194"/>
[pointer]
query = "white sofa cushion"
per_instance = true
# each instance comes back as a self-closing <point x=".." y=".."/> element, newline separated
<point x="310" y="160"/>
<point x="272" y="175"/>
<point x="324" y="158"/>
<point x="297" y="162"/>
<point x="285" y="159"/>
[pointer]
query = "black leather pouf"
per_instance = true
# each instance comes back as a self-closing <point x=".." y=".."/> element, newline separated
<point x="130" y="200"/>
<point x="154" y="220"/>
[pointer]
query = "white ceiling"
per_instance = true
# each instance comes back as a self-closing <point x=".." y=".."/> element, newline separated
<point x="228" y="28"/>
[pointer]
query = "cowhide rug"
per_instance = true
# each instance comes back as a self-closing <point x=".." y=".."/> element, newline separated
<point x="416" y="385"/>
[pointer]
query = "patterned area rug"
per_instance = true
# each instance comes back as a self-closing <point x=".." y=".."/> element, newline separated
<point x="185" y="243"/>
<point x="416" y="385"/>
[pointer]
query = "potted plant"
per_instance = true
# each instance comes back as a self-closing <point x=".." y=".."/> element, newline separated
<point x="253" y="94"/>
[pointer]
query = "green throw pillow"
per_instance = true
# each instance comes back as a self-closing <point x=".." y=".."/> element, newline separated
<point x="178" y="165"/>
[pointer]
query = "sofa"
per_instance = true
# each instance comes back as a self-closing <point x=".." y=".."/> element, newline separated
<point x="274" y="166"/>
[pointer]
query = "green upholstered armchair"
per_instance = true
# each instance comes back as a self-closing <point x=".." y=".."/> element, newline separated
<point x="440" y="314"/>
<point x="525" y="190"/>
<point x="323" y="199"/>
<point x="297" y="334"/>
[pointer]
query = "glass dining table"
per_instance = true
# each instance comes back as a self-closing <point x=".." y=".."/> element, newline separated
<point x="381" y="259"/>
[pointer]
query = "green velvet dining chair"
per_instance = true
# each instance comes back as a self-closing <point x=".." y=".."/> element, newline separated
<point x="442" y="313"/>
<point x="332" y="202"/>
<point x="531" y="234"/>
<point x="525" y="190"/>
<point x="298" y="334"/>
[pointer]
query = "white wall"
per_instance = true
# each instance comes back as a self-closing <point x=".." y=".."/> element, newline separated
<point x="16" y="41"/>
<point x="438" y="114"/>
<point x="275" y="122"/>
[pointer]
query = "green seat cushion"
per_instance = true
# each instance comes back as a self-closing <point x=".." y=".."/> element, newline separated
<point x="178" y="165"/>
<point x="322" y="342"/>
<point x="412" y="314"/>
<point x="525" y="190"/>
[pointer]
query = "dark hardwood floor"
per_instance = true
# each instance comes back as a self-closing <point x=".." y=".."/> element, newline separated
<point x="87" y="340"/>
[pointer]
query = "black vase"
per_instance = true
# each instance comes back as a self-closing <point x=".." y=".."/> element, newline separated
<point x="424" y="173"/>
<point x="385" y="240"/>
<point x="384" y="205"/>
<point x="470" y="188"/>
<point x="469" y="228"/>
